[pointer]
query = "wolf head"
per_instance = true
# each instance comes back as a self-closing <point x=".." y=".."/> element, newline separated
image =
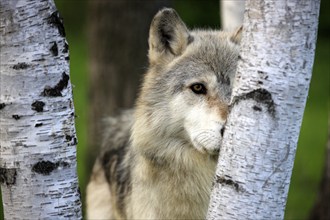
<point x="183" y="104"/>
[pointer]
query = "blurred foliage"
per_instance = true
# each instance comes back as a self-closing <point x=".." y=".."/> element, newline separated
<point x="310" y="155"/>
<point x="199" y="13"/>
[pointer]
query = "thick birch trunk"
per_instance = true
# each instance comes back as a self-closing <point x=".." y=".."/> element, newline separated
<point x="37" y="135"/>
<point x="268" y="101"/>
<point x="232" y="13"/>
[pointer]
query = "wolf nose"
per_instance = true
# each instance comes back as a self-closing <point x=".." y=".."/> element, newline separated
<point x="215" y="151"/>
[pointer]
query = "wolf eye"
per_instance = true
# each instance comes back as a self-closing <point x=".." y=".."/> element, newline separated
<point x="198" y="88"/>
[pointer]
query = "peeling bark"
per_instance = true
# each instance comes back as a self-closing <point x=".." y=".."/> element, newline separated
<point x="38" y="175"/>
<point x="268" y="100"/>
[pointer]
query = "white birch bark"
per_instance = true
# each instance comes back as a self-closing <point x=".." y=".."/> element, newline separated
<point x="37" y="135"/>
<point x="269" y="96"/>
<point x="232" y="13"/>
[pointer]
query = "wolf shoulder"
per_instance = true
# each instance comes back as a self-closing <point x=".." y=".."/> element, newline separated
<point x="101" y="197"/>
<point x="117" y="130"/>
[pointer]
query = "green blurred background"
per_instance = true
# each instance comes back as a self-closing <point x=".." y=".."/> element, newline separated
<point x="310" y="155"/>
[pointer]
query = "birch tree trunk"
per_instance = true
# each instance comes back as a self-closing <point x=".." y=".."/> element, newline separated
<point x="267" y="105"/>
<point x="232" y="13"/>
<point x="37" y="136"/>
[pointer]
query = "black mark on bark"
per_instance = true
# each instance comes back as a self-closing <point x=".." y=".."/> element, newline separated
<point x="46" y="167"/>
<point x="16" y="117"/>
<point x="54" y="49"/>
<point x="8" y="176"/>
<point x="38" y="125"/>
<point x="79" y="193"/>
<point x="222" y="131"/>
<point x="256" y="108"/>
<point x="20" y="66"/>
<point x="56" y="90"/>
<point x="57" y="21"/>
<point x="228" y="181"/>
<point x="304" y="64"/>
<point x="38" y="106"/>
<point x="261" y="96"/>
<point x="68" y="137"/>
<point x="39" y="60"/>
<point x="2" y="105"/>
<point x="67" y="58"/>
<point x="66" y="48"/>
<point x="63" y="164"/>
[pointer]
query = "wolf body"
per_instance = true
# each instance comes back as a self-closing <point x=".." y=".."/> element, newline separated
<point x="158" y="160"/>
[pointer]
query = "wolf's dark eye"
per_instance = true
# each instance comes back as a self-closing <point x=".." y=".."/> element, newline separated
<point x="198" y="88"/>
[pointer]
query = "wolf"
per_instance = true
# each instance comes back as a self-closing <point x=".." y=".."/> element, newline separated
<point x="158" y="160"/>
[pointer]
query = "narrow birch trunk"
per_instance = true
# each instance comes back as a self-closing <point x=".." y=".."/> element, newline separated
<point x="37" y="135"/>
<point x="232" y="13"/>
<point x="268" y="101"/>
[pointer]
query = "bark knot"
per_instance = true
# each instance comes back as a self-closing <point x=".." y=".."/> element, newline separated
<point x="261" y="96"/>
<point x="57" y="89"/>
<point x="46" y="167"/>
<point x="38" y="106"/>
<point x="56" y="20"/>
<point x="20" y="66"/>
<point x="54" y="49"/>
<point x="8" y="176"/>
<point x="2" y="105"/>
<point x="227" y="180"/>
<point x="16" y="117"/>
<point x="38" y="125"/>
<point x="66" y="48"/>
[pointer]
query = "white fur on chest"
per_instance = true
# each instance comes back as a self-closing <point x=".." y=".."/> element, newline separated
<point x="162" y="192"/>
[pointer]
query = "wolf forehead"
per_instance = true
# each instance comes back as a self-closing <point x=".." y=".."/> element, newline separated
<point x="208" y="53"/>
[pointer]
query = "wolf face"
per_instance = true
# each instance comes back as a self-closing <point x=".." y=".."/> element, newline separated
<point x="185" y="95"/>
<point x="159" y="162"/>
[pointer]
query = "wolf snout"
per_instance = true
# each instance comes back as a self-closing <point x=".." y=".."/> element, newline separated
<point x="215" y="151"/>
<point x="207" y="141"/>
<point x="212" y="151"/>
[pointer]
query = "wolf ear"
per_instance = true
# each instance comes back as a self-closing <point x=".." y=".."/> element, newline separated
<point x="236" y="37"/>
<point x="168" y="36"/>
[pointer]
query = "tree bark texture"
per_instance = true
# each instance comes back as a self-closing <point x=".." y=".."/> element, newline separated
<point x="118" y="43"/>
<point x="232" y="13"/>
<point x="268" y="100"/>
<point x="37" y="135"/>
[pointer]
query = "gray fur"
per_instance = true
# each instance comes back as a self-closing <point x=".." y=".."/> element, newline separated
<point x="158" y="160"/>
